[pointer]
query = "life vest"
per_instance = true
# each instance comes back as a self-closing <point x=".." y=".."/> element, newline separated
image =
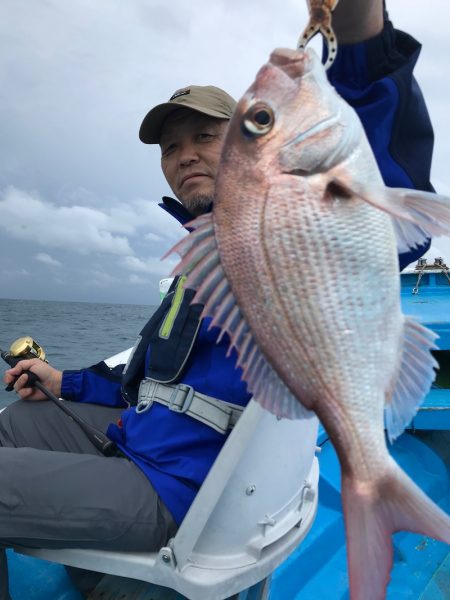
<point x="165" y="342"/>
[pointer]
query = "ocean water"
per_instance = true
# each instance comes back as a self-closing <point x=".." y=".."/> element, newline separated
<point x="73" y="334"/>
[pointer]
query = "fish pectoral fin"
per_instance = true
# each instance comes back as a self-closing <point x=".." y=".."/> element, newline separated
<point x="416" y="374"/>
<point x="373" y="511"/>
<point x="201" y="265"/>
<point x="417" y="215"/>
<point x="336" y="188"/>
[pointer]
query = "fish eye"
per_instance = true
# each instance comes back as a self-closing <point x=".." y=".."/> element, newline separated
<point x="258" y="120"/>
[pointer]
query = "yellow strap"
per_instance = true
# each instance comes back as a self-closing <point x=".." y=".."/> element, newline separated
<point x="166" y="327"/>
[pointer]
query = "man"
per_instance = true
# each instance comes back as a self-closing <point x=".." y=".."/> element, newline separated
<point x="190" y="129"/>
<point x="136" y="500"/>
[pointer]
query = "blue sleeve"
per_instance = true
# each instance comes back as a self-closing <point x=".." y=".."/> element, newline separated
<point x="96" y="385"/>
<point x="376" y="78"/>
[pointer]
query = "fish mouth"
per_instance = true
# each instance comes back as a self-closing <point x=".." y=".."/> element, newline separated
<point x="294" y="63"/>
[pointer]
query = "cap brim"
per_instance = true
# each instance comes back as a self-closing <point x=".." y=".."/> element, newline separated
<point x="150" y="130"/>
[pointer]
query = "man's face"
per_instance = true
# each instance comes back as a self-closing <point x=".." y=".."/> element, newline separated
<point x="190" y="151"/>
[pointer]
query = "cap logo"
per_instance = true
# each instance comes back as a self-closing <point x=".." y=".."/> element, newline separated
<point x="180" y="93"/>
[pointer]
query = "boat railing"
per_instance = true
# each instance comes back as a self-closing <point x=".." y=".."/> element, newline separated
<point x="422" y="268"/>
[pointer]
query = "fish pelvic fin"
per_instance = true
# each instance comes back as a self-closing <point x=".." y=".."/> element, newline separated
<point x="416" y="374"/>
<point x="416" y="215"/>
<point x="200" y="263"/>
<point x="373" y="512"/>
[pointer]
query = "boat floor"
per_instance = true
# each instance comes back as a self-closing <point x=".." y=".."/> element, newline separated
<point x="318" y="568"/>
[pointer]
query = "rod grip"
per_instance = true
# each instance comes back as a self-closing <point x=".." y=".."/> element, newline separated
<point x="12" y="362"/>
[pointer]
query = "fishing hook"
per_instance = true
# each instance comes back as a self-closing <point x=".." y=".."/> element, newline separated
<point x="320" y="22"/>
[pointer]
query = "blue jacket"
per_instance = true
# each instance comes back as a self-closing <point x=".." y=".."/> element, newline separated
<point x="176" y="452"/>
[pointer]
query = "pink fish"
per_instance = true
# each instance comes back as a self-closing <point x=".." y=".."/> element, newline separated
<point x="298" y="264"/>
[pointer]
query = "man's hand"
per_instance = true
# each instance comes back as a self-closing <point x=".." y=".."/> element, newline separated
<point x="357" y="20"/>
<point x="51" y="378"/>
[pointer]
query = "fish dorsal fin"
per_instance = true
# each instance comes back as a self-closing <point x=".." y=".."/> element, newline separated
<point x="416" y="374"/>
<point x="205" y="274"/>
<point x="417" y="215"/>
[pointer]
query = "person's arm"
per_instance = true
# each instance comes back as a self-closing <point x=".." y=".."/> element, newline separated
<point x="96" y="385"/>
<point x="375" y="77"/>
<point x="357" y="20"/>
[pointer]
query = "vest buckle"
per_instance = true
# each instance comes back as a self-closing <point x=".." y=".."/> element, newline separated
<point x="146" y="400"/>
<point x="144" y="405"/>
<point x="181" y="398"/>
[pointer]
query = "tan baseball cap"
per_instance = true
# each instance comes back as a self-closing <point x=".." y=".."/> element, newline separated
<point x="205" y="99"/>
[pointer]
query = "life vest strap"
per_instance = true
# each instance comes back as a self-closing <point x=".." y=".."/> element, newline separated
<point x="182" y="398"/>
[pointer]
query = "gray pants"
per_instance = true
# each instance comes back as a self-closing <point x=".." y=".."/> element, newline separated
<point x="58" y="491"/>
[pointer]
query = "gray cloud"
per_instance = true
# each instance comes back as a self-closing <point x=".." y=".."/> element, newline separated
<point x="45" y="258"/>
<point x="76" y="79"/>
<point x="77" y="228"/>
<point x="150" y="265"/>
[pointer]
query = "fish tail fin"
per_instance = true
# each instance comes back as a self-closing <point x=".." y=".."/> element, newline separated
<point x="373" y="512"/>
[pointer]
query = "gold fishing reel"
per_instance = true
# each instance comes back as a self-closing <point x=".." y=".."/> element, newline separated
<point x="26" y="347"/>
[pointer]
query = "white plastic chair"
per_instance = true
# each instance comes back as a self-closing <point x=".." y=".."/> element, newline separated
<point x="256" y="505"/>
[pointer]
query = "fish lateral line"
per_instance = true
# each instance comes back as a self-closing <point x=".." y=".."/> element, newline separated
<point x="319" y="127"/>
<point x="297" y="172"/>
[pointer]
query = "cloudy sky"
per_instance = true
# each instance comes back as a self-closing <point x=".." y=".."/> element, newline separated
<point x="78" y="192"/>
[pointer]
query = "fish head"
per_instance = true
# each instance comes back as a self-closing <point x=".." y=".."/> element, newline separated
<point x="291" y="119"/>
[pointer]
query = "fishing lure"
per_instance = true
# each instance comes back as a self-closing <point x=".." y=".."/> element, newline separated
<point x="320" y="22"/>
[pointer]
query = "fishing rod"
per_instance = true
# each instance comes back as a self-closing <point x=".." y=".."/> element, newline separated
<point x="26" y="348"/>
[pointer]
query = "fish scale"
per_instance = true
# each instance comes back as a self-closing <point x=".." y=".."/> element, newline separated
<point x="298" y="264"/>
<point x="288" y="239"/>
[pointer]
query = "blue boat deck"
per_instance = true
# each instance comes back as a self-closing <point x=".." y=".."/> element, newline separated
<point x="421" y="565"/>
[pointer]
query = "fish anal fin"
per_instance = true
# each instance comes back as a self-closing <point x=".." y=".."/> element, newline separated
<point x="415" y="376"/>
<point x="268" y="389"/>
